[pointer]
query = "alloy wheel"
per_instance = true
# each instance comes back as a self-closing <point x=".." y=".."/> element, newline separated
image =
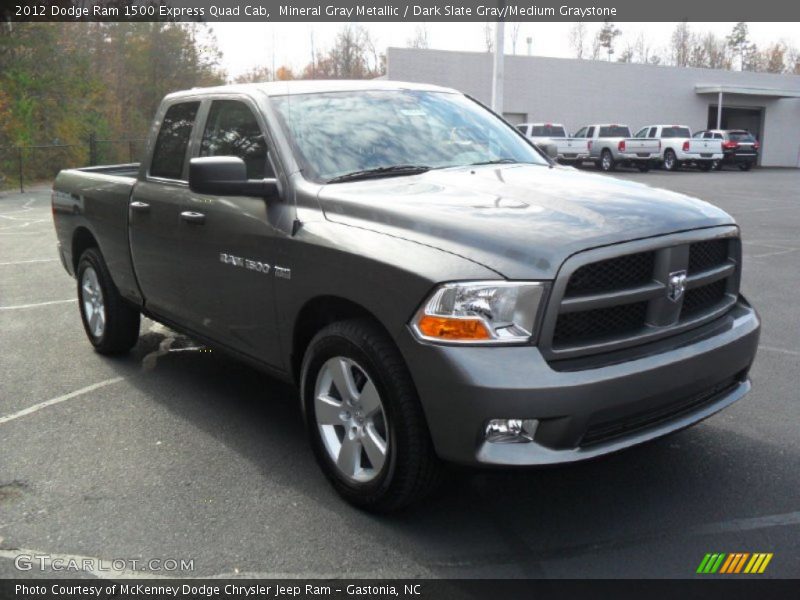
<point x="351" y="419"/>
<point x="92" y="300"/>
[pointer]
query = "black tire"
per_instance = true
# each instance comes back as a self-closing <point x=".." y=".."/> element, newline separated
<point x="705" y="165"/>
<point x="745" y="166"/>
<point x="643" y="167"/>
<point x="671" y="162"/>
<point x="411" y="469"/>
<point x="717" y="165"/>
<point x="121" y="320"/>
<point x="607" y="162"/>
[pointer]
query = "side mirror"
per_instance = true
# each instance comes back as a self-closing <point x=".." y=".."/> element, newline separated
<point x="227" y="176"/>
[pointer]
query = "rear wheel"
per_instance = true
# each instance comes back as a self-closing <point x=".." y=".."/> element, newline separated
<point x="705" y="165"/>
<point x="607" y="162"/>
<point x="745" y="166"/>
<point x="111" y="324"/>
<point x="364" y="419"/>
<point x="671" y="162"/>
<point x="643" y="167"/>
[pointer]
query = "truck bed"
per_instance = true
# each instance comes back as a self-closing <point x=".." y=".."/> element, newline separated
<point x="95" y="200"/>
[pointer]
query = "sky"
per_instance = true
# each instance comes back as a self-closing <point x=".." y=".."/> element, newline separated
<point x="248" y="45"/>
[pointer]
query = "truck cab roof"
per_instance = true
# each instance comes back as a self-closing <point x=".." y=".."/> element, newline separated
<point x="283" y="88"/>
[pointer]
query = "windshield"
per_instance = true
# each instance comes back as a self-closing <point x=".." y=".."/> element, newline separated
<point x="339" y="133"/>
<point x="675" y="132"/>
<point x="614" y="131"/>
<point x="548" y="131"/>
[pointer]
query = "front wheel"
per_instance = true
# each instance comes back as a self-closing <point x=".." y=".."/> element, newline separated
<point x="111" y="324"/>
<point x="364" y="419"/>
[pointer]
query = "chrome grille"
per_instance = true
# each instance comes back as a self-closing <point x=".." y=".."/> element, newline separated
<point x="610" y="299"/>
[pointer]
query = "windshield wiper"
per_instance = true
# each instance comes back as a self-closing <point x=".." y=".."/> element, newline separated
<point x="381" y="172"/>
<point x="496" y="161"/>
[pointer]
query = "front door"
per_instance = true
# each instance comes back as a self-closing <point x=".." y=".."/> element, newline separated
<point x="229" y="242"/>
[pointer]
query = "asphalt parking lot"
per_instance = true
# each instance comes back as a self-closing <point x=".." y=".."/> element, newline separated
<point x="176" y="453"/>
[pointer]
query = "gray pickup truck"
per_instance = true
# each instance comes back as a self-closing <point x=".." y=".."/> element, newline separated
<point x="438" y="289"/>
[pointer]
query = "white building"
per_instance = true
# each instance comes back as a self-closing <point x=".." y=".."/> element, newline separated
<point x="578" y="92"/>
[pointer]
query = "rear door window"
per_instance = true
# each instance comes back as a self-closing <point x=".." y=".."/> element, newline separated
<point x="169" y="154"/>
<point x="641" y="133"/>
<point x="232" y="130"/>
<point x="581" y="132"/>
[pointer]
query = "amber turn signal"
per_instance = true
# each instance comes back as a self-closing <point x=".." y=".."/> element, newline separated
<point x="448" y="328"/>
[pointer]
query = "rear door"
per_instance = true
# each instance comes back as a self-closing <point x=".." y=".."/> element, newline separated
<point x="229" y="242"/>
<point x="154" y="213"/>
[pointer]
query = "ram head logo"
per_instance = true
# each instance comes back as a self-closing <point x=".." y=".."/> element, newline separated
<point x="676" y="285"/>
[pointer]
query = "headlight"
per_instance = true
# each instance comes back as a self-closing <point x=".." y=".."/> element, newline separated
<point x="480" y="312"/>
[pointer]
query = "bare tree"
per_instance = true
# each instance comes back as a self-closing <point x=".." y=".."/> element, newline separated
<point x="254" y="75"/>
<point x="643" y="52"/>
<point x="488" y="37"/>
<point x="681" y="45"/>
<point x="710" y="52"/>
<point x="420" y="38"/>
<point x="577" y="39"/>
<point x="774" y="58"/>
<point x="793" y="61"/>
<point x="627" y="54"/>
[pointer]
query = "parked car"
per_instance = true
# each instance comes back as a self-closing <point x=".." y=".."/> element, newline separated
<point x="739" y="147"/>
<point x="611" y="146"/>
<point x="679" y="148"/>
<point x="569" y="150"/>
<point x="436" y="287"/>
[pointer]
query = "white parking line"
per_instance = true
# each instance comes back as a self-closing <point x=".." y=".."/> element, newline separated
<point x="58" y="400"/>
<point x="25" y="262"/>
<point x="18" y="306"/>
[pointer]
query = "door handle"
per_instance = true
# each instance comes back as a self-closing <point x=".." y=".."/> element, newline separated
<point x="140" y="206"/>
<point x="193" y="217"/>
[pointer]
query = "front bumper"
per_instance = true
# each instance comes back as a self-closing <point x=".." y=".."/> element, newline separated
<point x="462" y="388"/>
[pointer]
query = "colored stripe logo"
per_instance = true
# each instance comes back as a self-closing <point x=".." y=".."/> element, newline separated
<point x="734" y="563"/>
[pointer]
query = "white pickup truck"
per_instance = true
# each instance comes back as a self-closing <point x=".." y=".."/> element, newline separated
<point x="611" y="146"/>
<point x="679" y="148"/>
<point x="570" y="150"/>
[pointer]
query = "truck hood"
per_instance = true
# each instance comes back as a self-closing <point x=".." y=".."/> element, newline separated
<point x="521" y="221"/>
